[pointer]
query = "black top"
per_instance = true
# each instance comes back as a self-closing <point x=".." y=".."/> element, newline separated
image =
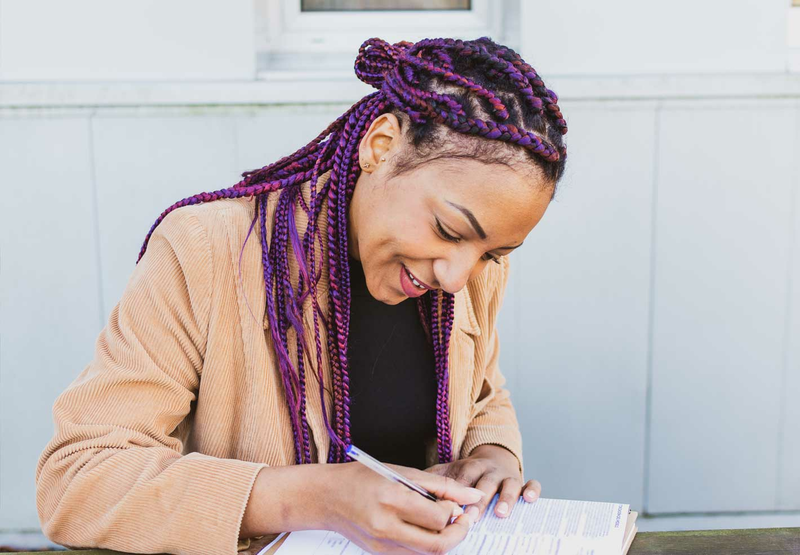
<point x="392" y="377"/>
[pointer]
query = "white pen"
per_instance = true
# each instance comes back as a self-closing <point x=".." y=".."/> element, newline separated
<point x="376" y="465"/>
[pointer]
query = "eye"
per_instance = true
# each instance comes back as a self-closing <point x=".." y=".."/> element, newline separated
<point x="446" y="235"/>
<point x="449" y="237"/>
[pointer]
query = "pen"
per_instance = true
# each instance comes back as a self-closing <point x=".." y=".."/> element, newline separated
<point x="376" y="465"/>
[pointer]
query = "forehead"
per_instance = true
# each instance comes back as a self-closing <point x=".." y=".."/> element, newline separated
<point x="500" y="196"/>
<point x="472" y="179"/>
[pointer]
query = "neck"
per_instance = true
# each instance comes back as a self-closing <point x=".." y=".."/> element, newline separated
<point x="352" y="230"/>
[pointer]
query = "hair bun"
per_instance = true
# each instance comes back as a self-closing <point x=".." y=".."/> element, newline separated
<point x="376" y="57"/>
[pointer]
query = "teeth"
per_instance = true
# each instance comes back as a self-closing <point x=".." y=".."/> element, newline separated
<point x="414" y="280"/>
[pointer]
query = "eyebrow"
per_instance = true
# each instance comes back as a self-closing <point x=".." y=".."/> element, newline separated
<point x="476" y="224"/>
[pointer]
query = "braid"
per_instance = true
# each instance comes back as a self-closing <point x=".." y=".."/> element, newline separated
<point x="441" y="85"/>
<point x="442" y="309"/>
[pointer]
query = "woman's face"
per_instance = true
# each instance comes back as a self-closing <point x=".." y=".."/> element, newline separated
<point x="409" y="223"/>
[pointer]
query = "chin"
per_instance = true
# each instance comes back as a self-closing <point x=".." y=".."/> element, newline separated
<point x="392" y="300"/>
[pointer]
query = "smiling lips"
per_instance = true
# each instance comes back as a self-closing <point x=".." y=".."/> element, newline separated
<point x="410" y="284"/>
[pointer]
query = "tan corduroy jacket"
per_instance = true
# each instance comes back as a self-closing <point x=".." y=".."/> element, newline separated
<point x="159" y="440"/>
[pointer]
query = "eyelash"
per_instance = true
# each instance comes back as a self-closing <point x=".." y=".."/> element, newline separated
<point x="449" y="237"/>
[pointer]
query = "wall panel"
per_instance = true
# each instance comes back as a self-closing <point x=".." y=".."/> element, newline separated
<point x="581" y="343"/>
<point x="48" y="291"/>
<point x="722" y="260"/>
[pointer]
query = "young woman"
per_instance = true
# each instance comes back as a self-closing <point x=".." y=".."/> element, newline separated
<point x="347" y="293"/>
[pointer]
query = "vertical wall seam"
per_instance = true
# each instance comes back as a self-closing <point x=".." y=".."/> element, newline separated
<point x="1" y="320"/>
<point x="1" y="378"/>
<point x="96" y="222"/>
<point x="2" y="76"/>
<point x="787" y="317"/>
<point x="651" y="308"/>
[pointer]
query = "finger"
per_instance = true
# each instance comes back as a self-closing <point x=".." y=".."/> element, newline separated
<point x="532" y="491"/>
<point x="442" y="487"/>
<point x="434" y="516"/>
<point x="509" y="493"/>
<point x="489" y="484"/>
<point x="425" y="541"/>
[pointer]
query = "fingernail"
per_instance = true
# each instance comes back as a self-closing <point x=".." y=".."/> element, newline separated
<point x="472" y="514"/>
<point x="530" y="495"/>
<point x="458" y="511"/>
<point x="502" y="507"/>
<point x="476" y="491"/>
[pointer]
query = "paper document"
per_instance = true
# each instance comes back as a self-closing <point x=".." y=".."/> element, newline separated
<point x="545" y="527"/>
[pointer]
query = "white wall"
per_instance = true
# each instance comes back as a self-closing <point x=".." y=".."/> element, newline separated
<point x="631" y="37"/>
<point x="98" y="40"/>
<point x="650" y="328"/>
<point x="723" y="248"/>
<point x="177" y="40"/>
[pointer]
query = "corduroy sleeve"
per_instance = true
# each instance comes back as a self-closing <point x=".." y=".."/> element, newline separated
<point x="496" y="422"/>
<point x="114" y="476"/>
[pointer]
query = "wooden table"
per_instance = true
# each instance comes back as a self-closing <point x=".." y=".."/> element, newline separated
<point x="757" y="541"/>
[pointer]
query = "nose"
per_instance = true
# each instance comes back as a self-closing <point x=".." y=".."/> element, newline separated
<point x="452" y="273"/>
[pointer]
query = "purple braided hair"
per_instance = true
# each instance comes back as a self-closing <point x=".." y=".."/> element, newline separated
<point x="473" y="88"/>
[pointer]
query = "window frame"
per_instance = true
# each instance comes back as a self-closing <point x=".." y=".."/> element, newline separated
<point x="793" y="38"/>
<point x="289" y="40"/>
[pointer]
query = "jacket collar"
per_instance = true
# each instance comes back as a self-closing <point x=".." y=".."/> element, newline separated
<point x="464" y="311"/>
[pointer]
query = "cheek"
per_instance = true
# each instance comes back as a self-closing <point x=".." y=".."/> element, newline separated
<point x="399" y="243"/>
<point x="405" y="226"/>
<point x="388" y="256"/>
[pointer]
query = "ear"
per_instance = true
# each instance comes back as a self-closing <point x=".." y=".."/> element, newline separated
<point x="381" y="139"/>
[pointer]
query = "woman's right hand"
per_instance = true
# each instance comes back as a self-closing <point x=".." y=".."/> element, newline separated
<point x="382" y="516"/>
